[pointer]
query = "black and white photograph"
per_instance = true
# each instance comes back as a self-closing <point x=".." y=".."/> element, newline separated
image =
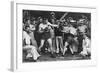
<point x="52" y="36"/>
<point x="55" y="36"/>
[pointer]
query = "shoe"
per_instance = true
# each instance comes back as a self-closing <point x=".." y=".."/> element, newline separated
<point x="34" y="60"/>
<point x="53" y="55"/>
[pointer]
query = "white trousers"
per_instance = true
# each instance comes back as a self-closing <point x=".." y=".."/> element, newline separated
<point x="32" y="50"/>
<point x="85" y="51"/>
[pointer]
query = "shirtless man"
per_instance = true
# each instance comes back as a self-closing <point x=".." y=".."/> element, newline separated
<point x="44" y="29"/>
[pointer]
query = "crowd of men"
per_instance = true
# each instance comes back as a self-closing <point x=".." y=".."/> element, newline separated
<point x="43" y="35"/>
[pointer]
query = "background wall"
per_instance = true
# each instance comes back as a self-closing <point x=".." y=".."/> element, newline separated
<point x="5" y="34"/>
